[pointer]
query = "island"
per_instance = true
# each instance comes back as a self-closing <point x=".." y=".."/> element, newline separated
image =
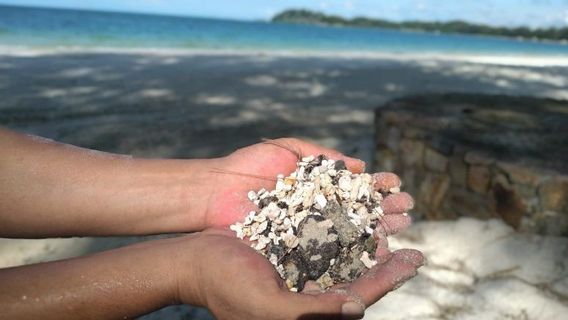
<point x="301" y="16"/>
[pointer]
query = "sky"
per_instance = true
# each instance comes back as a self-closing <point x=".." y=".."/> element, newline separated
<point x="533" y="13"/>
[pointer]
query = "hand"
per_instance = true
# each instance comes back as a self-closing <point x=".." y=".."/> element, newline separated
<point x="235" y="282"/>
<point x="228" y="202"/>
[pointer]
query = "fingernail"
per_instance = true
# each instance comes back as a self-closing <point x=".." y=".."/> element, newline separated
<point x="412" y="256"/>
<point x="382" y="255"/>
<point x="363" y="165"/>
<point x="380" y="237"/>
<point x="352" y="310"/>
<point x="386" y="181"/>
<point x="359" y="163"/>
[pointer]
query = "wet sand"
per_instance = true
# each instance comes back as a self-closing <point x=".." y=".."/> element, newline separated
<point x="200" y="105"/>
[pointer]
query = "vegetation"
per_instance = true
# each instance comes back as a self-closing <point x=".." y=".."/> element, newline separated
<point x="457" y="26"/>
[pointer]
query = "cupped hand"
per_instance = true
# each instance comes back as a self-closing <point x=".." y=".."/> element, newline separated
<point x="256" y="166"/>
<point x="236" y="282"/>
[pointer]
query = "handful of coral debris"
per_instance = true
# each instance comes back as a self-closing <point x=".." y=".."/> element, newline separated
<point x="317" y="224"/>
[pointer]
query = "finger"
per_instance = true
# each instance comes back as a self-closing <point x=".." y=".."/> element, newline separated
<point x="382" y="255"/>
<point x="354" y="165"/>
<point x="397" y="203"/>
<point x="348" y="302"/>
<point x="309" y="306"/>
<point x="332" y="304"/>
<point x="380" y="236"/>
<point x="382" y="252"/>
<point x="385" y="181"/>
<point x="305" y="148"/>
<point x="394" y="223"/>
<point x="383" y="278"/>
<point x="220" y="232"/>
<point x="311" y="287"/>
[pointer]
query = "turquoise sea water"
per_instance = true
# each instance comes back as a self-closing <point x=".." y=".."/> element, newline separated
<point x="48" y="28"/>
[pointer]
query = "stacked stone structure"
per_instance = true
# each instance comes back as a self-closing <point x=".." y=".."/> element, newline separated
<point x="481" y="156"/>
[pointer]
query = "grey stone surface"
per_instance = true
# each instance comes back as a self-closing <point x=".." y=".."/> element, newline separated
<point x="481" y="156"/>
<point x="522" y="130"/>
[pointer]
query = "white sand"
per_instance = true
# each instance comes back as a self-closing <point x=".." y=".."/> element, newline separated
<point x="480" y="270"/>
<point x="517" y="60"/>
<point x="202" y="105"/>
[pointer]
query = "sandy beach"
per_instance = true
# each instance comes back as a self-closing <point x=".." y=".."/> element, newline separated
<point x="188" y="105"/>
<point x="192" y="105"/>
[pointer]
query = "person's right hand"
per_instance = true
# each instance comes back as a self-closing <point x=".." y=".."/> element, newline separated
<point x="227" y="200"/>
<point x="235" y="282"/>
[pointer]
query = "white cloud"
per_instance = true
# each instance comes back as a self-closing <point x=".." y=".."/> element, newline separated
<point x="149" y="2"/>
<point x="269" y="12"/>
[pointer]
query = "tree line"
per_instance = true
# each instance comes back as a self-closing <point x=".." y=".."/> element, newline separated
<point x="456" y="26"/>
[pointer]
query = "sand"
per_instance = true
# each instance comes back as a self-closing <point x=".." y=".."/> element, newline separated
<point x="165" y="104"/>
<point x="480" y="270"/>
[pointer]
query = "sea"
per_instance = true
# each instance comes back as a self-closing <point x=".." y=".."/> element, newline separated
<point x="31" y="28"/>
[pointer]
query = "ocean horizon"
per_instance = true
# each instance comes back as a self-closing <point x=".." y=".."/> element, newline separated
<point x="61" y="30"/>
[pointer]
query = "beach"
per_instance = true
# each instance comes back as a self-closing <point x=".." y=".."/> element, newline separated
<point x="201" y="104"/>
<point x="193" y="105"/>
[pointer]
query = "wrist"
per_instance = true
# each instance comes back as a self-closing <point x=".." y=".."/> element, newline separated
<point x="172" y="195"/>
<point x="186" y="274"/>
<point x="120" y="283"/>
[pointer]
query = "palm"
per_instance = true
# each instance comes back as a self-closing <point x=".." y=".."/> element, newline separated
<point x="256" y="290"/>
<point x="242" y="172"/>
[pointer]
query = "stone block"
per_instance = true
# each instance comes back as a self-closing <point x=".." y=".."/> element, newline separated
<point x="520" y="174"/>
<point x="410" y="180"/>
<point x="551" y="223"/>
<point x="412" y="152"/>
<point x="507" y="203"/>
<point x="393" y="118"/>
<point x="434" y="160"/>
<point x="478" y="179"/>
<point x="393" y="138"/>
<point x="386" y="160"/>
<point x="414" y="133"/>
<point x="477" y="158"/>
<point x="442" y="144"/>
<point x="553" y="194"/>
<point x="433" y="189"/>
<point x="381" y="132"/>
<point x="458" y="171"/>
<point x="464" y="203"/>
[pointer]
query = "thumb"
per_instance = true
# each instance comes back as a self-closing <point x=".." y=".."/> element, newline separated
<point x="383" y="278"/>
<point x="305" y="148"/>
<point x="349" y="301"/>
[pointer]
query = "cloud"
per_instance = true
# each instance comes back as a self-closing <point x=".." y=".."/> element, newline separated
<point x="323" y="4"/>
<point x="149" y="2"/>
<point x="269" y="12"/>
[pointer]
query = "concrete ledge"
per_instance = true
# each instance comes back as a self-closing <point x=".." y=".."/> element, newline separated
<point x="481" y="156"/>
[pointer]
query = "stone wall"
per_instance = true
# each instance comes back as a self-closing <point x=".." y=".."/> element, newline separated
<point x="480" y="156"/>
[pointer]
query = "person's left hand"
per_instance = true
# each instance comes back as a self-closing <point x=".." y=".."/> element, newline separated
<point x="235" y="282"/>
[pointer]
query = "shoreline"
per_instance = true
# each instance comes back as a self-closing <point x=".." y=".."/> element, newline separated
<point x="505" y="60"/>
<point x="186" y="104"/>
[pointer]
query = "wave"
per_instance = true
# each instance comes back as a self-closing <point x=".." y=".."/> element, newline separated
<point x="529" y="60"/>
